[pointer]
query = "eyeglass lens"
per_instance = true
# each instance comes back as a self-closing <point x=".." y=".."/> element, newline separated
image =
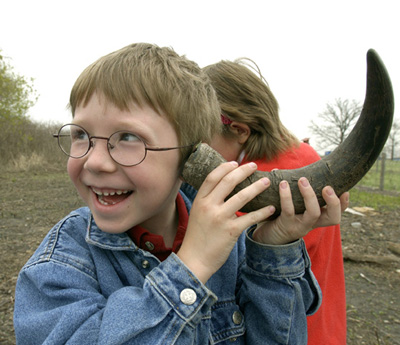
<point x="124" y="147"/>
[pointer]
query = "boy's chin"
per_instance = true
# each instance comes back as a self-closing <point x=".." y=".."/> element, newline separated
<point x="110" y="227"/>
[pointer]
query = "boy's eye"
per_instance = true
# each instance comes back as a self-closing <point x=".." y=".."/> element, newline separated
<point x="79" y="134"/>
<point x="125" y="140"/>
<point x="126" y="136"/>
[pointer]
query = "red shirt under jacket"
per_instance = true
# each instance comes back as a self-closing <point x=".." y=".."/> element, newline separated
<point x="328" y="325"/>
<point x="155" y="243"/>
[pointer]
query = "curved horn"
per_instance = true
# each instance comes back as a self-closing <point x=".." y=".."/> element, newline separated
<point x="341" y="169"/>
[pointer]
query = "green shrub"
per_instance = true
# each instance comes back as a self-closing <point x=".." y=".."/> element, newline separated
<point x="24" y="144"/>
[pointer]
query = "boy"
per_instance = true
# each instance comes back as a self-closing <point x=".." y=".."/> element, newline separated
<point x="133" y="267"/>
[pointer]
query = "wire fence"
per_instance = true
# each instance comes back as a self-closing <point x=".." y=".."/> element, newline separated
<point x="383" y="176"/>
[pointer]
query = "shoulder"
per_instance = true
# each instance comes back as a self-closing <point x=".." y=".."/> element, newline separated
<point x="294" y="158"/>
<point x="308" y="151"/>
<point x="304" y="154"/>
<point x="64" y="239"/>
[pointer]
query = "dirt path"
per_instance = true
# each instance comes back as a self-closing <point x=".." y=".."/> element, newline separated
<point x="31" y="203"/>
<point x="372" y="271"/>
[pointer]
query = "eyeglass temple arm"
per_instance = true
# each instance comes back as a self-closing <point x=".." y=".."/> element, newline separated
<point x="173" y="148"/>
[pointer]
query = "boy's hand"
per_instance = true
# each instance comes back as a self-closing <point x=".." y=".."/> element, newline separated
<point x="289" y="226"/>
<point x="213" y="227"/>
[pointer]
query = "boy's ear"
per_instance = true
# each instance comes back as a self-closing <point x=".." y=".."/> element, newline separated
<point x="241" y="130"/>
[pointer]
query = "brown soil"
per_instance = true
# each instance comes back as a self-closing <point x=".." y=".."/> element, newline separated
<point x="31" y="203"/>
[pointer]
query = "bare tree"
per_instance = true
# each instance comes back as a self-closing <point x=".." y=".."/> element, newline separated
<point x="335" y="122"/>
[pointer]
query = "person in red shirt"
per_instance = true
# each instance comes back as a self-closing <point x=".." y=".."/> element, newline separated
<point x="253" y="131"/>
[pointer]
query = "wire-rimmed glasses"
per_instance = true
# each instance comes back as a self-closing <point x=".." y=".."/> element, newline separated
<point x="125" y="148"/>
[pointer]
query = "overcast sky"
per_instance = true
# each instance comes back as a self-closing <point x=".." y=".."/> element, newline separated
<point x="310" y="52"/>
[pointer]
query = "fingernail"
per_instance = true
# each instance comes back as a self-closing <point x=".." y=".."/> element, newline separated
<point x="234" y="163"/>
<point x="272" y="209"/>
<point x="304" y="182"/>
<point x="283" y="184"/>
<point x="266" y="181"/>
<point x="253" y="165"/>
<point x="329" y="190"/>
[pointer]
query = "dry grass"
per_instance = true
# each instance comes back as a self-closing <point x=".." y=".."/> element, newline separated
<point x="27" y="163"/>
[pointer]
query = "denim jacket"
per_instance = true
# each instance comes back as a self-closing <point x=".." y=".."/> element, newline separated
<point x="84" y="286"/>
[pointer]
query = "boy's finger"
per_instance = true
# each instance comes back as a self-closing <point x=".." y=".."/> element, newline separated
<point x="313" y="210"/>
<point x="226" y="183"/>
<point x="240" y="199"/>
<point x="344" y="200"/>
<point x="254" y="217"/>
<point x="215" y="177"/>
<point x="333" y="210"/>
<point x="285" y="195"/>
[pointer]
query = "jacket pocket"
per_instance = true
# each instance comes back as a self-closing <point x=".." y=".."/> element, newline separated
<point x="227" y="321"/>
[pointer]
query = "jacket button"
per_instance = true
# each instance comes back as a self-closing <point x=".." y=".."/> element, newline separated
<point x="149" y="245"/>
<point x="145" y="264"/>
<point x="237" y="317"/>
<point x="188" y="296"/>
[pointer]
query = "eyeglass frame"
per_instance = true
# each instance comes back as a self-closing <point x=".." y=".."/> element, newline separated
<point x="91" y="144"/>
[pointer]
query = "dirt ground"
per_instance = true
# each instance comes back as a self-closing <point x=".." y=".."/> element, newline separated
<point x="31" y="203"/>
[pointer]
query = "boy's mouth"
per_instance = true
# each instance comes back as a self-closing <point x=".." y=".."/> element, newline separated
<point x="111" y="197"/>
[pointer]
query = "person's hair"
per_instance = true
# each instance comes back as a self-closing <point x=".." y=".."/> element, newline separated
<point x="146" y="74"/>
<point x="246" y="98"/>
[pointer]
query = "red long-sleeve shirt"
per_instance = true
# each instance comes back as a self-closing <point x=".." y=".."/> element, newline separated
<point x="328" y="325"/>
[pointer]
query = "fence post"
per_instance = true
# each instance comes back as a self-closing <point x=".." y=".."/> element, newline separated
<point x="382" y="178"/>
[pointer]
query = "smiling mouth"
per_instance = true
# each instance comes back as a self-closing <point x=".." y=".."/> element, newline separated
<point x="111" y="197"/>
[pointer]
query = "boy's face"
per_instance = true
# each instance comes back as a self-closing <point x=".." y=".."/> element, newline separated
<point x="152" y="185"/>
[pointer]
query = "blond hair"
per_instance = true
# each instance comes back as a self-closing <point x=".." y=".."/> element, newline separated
<point x="246" y="98"/>
<point x="146" y="74"/>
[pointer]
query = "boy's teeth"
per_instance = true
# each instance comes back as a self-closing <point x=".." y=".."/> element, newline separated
<point x="118" y="192"/>
<point x="105" y="203"/>
<point x="110" y="198"/>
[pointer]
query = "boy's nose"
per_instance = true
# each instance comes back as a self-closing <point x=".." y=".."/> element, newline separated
<point x="98" y="158"/>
